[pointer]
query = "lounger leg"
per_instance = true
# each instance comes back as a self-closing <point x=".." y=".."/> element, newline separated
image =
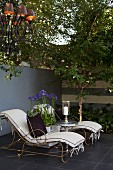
<point x="20" y="154"/>
<point x="77" y="149"/>
<point x="62" y="152"/>
<point x="73" y="151"/>
<point x="98" y="135"/>
<point x="92" y="138"/>
<point x="95" y="136"/>
<point x="85" y="135"/>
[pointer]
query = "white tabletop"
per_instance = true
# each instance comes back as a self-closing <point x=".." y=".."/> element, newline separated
<point x="68" y="124"/>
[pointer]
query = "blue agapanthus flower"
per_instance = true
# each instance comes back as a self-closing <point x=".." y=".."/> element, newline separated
<point x="53" y="96"/>
<point x="42" y="93"/>
<point x="42" y="97"/>
<point x="44" y="104"/>
<point x="38" y="96"/>
<point x="32" y="98"/>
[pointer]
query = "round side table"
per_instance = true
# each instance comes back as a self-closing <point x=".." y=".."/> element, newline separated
<point x="68" y="125"/>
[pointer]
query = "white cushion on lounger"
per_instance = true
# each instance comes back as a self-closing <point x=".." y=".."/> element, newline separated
<point x="90" y="125"/>
<point x="18" y="119"/>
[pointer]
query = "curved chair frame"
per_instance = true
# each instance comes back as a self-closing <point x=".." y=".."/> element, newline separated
<point x="18" y="121"/>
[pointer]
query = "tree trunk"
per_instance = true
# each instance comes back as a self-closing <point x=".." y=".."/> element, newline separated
<point x="80" y="107"/>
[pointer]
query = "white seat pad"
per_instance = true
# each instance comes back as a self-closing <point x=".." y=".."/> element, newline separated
<point x="18" y="119"/>
<point x="90" y="125"/>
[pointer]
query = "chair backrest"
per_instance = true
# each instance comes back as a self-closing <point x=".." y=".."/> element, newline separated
<point x="18" y="119"/>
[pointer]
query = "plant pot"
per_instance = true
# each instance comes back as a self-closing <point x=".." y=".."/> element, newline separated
<point x="49" y="129"/>
<point x="56" y="128"/>
<point x="53" y="128"/>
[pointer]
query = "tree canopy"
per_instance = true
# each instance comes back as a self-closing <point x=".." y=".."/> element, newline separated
<point x="86" y="27"/>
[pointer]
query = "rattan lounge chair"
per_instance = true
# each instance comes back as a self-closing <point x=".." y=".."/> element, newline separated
<point x="18" y="121"/>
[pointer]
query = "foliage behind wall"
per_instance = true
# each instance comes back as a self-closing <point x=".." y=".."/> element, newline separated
<point x="103" y="115"/>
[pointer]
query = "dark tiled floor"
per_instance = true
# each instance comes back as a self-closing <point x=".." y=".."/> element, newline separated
<point x="95" y="157"/>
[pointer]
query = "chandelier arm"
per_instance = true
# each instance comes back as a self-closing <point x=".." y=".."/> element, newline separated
<point x="15" y="23"/>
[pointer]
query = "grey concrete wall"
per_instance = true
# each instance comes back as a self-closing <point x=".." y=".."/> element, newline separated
<point x="14" y="93"/>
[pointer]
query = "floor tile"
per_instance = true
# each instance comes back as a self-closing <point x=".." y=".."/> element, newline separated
<point x="77" y="165"/>
<point x="47" y="161"/>
<point x="104" y="167"/>
<point x="8" y="164"/>
<point x="97" y="148"/>
<point x="88" y="156"/>
<point x="95" y="157"/>
<point x="36" y="167"/>
<point x="108" y="159"/>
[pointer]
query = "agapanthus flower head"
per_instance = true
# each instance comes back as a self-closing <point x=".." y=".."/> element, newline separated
<point x="53" y="96"/>
<point x="32" y="98"/>
<point x="42" y="93"/>
<point x="38" y="96"/>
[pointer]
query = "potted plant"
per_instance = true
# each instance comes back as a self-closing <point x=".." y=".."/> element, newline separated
<point x="45" y="104"/>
